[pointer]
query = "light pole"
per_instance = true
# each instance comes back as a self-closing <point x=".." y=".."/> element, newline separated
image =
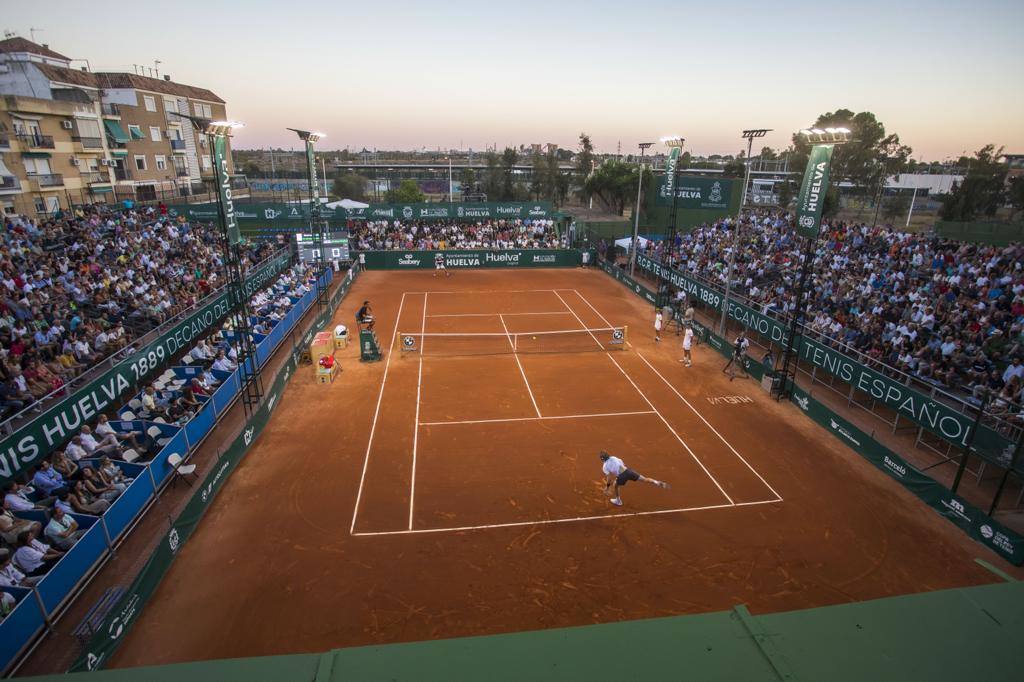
<point x="809" y="207"/>
<point x="451" y="185"/>
<point x="644" y="146"/>
<point x="749" y="135"/>
<point x="315" y="223"/>
<point x="675" y="144"/>
<point x="217" y="133"/>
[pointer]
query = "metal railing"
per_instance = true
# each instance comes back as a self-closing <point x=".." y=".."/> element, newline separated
<point x="88" y="142"/>
<point x="122" y="174"/>
<point x="33" y="140"/>
<point x="177" y="145"/>
<point x="18" y="419"/>
<point x="111" y="110"/>
<point x="9" y="182"/>
<point x="181" y="172"/>
<point x="95" y="177"/>
<point x="47" y="179"/>
<point x="5" y="141"/>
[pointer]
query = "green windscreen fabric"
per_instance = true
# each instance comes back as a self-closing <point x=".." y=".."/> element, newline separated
<point x="115" y="131"/>
<point x="36" y="155"/>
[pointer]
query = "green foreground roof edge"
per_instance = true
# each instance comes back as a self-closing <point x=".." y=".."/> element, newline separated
<point x="965" y="633"/>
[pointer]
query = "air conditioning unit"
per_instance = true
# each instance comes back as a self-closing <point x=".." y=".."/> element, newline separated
<point x="74" y="161"/>
<point x="67" y="125"/>
<point x="106" y="162"/>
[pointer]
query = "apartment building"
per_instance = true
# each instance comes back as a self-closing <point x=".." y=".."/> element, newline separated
<point x="70" y="136"/>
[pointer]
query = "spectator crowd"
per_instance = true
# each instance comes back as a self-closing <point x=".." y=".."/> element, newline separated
<point x="949" y="313"/>
<point x="77" y="287"/>
<point x="488" y="234"/>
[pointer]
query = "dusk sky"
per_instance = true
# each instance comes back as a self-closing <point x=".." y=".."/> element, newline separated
<point x="947" y="77"/>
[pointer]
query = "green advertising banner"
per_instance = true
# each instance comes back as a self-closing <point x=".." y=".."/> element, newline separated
<point x="638" y="289"/>
<point x="22" y="449"/>
<point x="935" y="416"/>
<point x="954" y="508"/>
<point x="263" y="212"/>
<point x="695" y="192"/>
<point x="220" y="163"/>
<point x="671" y="170"/>
<point x="811" y="201"/>
<point x="455" y="258"/>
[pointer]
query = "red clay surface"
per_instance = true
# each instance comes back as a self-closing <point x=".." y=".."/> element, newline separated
<point x="326" y="538"/>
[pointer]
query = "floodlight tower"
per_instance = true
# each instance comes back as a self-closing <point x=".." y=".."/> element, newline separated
<point x="809" y="207"/>
<point x="217" y="133"/>
<point x="644" y="146"/>
<point x="749" y="135"/>
<point x="316" y="224"/>
<point x="675" y="144"/>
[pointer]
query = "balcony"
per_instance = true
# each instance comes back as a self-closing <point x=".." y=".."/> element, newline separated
<point x="5" y="141"/>
<point x="88" y="142"/>
<point x="111" y="111"/>
<point x="181" y="172"/>
<point x="50" y="180"/>
<point x="34" y="141"/>
<point x="9" y="183"/>
<point x="122" y="174"/>
<point x="95" y="178"/>
<point x="178" y="146"/>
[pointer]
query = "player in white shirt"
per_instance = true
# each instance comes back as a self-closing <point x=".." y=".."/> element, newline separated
<point x="617" y="474"/>
<point x="687" y="346"/>
<point x="439" y="265"/>
<point x="658" y="319"/>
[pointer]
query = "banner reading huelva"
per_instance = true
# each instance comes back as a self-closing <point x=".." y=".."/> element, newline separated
<point x="220" y="161"/>
<point x="811" y="201"/>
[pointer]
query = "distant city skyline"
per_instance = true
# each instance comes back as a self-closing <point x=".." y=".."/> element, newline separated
<point x="406" y="76"/>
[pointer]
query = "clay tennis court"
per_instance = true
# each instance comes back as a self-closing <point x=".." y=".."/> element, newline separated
<point x="454" y="487"/>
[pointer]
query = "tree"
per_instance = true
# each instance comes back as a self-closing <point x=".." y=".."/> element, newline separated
<point x="408" y="192"/>
<point x="895" y="206"/>
<point x="251" y="169"/>
<point x="982" y="190"/>
<point x="1015" y="195"/>
<point x="509" y="157"/>
<point x="492" y="176"/>
<point x="585" y="157"/>
<point x="467" y="178"/>
<point x="614" y="184"/>
<point x="768" y="154"/>
<point x="867" y="160"/>
<point x="349" y="186"/>
<point x="734" y="169"/>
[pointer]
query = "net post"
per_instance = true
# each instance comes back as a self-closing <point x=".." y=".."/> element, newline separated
<point x="515" y="343"/>
<point x="625" y="335"/>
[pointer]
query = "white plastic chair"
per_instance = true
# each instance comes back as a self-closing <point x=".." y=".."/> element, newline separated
<point x="159" y="385"/>
<point x="160" y="420"/>
<point x="130" y="455"/>
<point x="182" y="470"/>
<point x="127" y="416"/>
<point x="187" y="360"/>
<point x="153" y="431"/>
<point x="135" y="403"/>
<point x="166" y="376"/>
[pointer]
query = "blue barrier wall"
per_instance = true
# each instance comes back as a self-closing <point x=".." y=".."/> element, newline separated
<point x="28" y="617"/>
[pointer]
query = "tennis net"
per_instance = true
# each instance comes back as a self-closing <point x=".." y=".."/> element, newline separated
<point x="497" y="343"/>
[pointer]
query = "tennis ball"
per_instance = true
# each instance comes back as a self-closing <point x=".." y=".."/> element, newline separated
<point x="535" y="338"/>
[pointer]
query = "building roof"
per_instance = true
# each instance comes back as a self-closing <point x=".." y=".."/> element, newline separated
<point x="124" y="80"/>
<point x="19" y="44"/>
<point x="131" y="80"/>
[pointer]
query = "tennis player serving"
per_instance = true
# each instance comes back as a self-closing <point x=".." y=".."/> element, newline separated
<point x="617" y="474"/>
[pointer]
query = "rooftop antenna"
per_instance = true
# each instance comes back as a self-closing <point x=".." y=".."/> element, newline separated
<point x="156" y="65"/>
<point x="9" y="34"/>
<point x="33" y="31"/>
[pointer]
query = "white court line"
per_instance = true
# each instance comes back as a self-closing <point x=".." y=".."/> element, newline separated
<point x="713" y="429"/>
<point x="521" y="370"/>
<point x="533" y="419"/>
<point x="416" y="424"/>
<point x="687" y="402"/>
<point x="578" y="318"/>
<point x="376" y="413"/>
<point x="482" y="291"/>
<point x="554" y="312"/>
<point x="651" y="405"/>
<point x="596" y="517"/>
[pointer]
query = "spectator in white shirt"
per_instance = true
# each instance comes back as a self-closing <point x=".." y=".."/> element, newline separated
<point x="34" y="557"/>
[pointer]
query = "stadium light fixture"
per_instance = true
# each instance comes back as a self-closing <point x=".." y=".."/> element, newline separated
<point x="826" y="135"/>
<point x="308" y="135"/>
<point x="673" y="141"/>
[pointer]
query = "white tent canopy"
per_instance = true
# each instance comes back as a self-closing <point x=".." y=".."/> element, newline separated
<point x="347" y="203"/>
<point x="626" y="241"/>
